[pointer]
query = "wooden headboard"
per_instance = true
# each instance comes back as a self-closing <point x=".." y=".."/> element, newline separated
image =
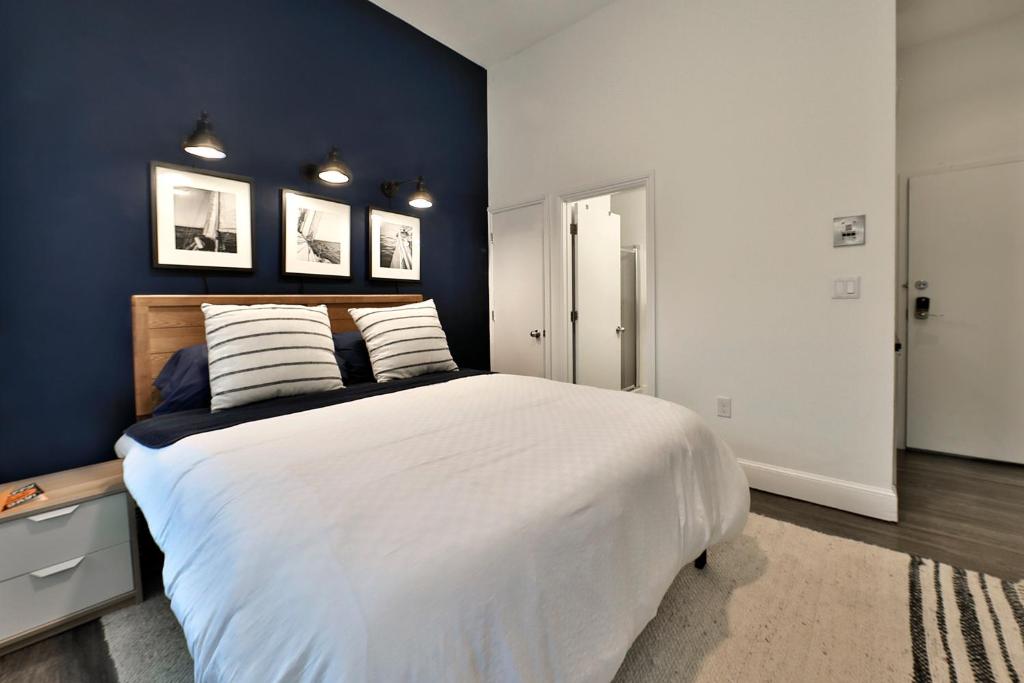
<point x="162" y="324"/>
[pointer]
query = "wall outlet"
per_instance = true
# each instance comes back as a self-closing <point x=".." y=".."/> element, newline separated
<point x="724" y="404"/>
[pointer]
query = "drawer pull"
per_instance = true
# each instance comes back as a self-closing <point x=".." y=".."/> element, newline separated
<point x="58" y="568"/>
<point x="53" y="513"/>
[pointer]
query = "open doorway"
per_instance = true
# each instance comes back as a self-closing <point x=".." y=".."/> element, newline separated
<point x="611" y="326"/>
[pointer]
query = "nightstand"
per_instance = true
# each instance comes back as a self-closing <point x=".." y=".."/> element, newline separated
<point x="68" y="559"/>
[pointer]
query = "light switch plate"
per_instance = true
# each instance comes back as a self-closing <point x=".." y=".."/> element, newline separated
<point x="849" y="231"/>
<point x="846" y="288"/>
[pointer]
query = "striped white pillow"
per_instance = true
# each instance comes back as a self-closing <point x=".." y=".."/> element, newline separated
<point x="268" y="350"/>
<point x="404" y="341"/>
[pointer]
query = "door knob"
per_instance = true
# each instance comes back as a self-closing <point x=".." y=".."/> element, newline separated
<point x="535" y="334"/>
<point x="620" y="329"/>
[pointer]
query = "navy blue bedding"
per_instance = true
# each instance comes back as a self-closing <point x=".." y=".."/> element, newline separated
<point x="351" y="350"/>
<point x="163" y="430"/>
<point x="184" y="383"/>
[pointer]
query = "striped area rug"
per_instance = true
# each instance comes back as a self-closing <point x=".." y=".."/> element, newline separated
<point x="964" y="626"/>
<point x="783" y="603"/>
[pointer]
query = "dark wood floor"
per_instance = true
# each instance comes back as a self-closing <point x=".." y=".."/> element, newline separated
<point x="969" y="513"/>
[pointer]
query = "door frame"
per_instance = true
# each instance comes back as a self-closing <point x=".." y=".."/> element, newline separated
<point x="546" y="270"/>
<point x="903" y="296"/>
<point x="646" y="302"/>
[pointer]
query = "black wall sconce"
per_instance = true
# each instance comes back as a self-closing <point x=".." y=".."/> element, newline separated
<point x="333" y="171"/>
<point x="202" y="142"/>
<point x="420" y="199"/>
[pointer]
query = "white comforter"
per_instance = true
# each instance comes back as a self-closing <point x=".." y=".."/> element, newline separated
<point x="496" y="528"/>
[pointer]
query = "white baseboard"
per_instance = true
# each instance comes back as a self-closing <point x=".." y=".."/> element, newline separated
<point x="871" y="501"/>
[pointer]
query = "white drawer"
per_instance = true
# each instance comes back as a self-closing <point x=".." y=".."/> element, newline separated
<point x="28" y="543"/>
<point x="40" y="597"/>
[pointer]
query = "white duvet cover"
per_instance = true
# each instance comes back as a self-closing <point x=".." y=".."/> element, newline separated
<point x="494" y="528"/>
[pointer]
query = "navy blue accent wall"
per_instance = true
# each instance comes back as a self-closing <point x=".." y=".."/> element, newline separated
<point x="91" y="92"/>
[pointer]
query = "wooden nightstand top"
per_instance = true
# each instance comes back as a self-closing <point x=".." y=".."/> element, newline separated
<point x="67" y="488"/>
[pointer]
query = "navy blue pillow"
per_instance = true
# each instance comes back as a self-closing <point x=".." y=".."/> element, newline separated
<point x="184" y="383"/>
<point x="351" y="350"/>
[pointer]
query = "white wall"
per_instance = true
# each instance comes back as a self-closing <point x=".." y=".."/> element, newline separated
<point x="761" y="121"/>
<point x="961" y="101"/>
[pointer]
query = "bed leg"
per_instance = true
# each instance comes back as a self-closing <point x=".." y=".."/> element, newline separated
<point x="701" y="561"/>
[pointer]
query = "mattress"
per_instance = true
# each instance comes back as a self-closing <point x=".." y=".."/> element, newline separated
<point x="494" y="527"/>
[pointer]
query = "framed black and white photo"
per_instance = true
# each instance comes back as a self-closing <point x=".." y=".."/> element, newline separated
<point x="316" y="236"/>
<point x="394" y="245"/>
<point x="201" y="219"/>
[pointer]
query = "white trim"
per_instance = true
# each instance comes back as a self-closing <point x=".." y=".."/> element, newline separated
<point x="872" y="501"/>
<point x="609" y="187"/>
<point x="646" y="344"/>
<point x="546" y="295"/>
<point x="962" y="166"/>
<point x="491" y="210"/>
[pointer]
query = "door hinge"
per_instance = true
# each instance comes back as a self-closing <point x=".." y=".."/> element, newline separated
<point x="492" y="238"/>
<point x="573" y="229"/>
<point x="492" y="316"/>
<point x="574" y="316"/>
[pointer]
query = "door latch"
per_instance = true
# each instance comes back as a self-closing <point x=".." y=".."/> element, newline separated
<point x="921" y="306"/>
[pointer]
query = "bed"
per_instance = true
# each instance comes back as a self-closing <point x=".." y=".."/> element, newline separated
<point x="464" y="527"/>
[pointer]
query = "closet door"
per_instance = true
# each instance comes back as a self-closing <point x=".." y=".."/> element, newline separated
<point x="598" y="295"/>
<point x="518" y="337"/>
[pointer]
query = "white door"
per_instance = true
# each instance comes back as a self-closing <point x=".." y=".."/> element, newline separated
<point x="598" y="297"/>
<point x="965" y="374"/>
<point x="517" y="290"/>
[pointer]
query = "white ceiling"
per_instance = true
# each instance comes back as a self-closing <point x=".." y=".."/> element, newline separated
<point x="489" y="31"/>
<point x="919" y="21"/>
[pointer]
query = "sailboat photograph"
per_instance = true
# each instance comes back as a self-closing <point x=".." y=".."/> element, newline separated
<point x="204" y="220"/>
<point x="315" y="235"/>
<point x="312" y="241"/>
<point x="201" y="219"/>
<point x="394" y="246"/>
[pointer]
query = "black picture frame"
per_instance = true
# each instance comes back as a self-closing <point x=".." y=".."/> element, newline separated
<point x="371" y="268"/>
<point x="283" y="207"/>
<point x="155" y="227"/>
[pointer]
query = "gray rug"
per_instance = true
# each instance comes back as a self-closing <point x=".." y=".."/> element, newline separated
<point x="780" y="603"/>
<point x="146" y="643"/>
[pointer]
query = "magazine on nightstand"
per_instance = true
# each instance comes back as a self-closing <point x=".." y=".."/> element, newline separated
<point x="21" y="495"/>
